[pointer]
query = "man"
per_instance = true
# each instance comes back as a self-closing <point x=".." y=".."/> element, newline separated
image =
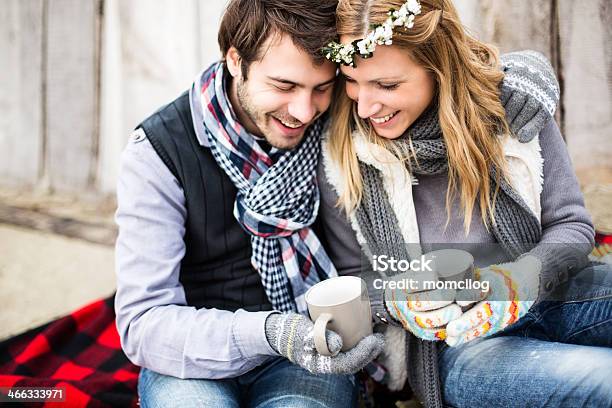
<point x="215" y="198"/>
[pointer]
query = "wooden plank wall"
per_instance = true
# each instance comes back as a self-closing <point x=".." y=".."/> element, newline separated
<point x="585" y="32"/>
<point x="143" y="68"/>
<point x="21" y="91"/>
<point x="78" y="75"/>
<point x="577" y="37"/>
<point x="71" y="105"/>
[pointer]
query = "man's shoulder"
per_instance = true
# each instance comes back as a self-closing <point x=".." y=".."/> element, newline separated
<point x="176" y="109"/>
<point x="141" y="164"/>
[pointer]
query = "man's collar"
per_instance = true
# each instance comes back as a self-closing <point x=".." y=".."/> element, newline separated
<point x="197" y="116"/>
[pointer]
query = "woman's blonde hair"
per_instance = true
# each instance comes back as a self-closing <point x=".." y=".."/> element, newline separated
<point x="467" y="80"/>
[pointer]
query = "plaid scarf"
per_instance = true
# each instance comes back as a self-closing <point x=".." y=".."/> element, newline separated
<point x="277" y="200"/>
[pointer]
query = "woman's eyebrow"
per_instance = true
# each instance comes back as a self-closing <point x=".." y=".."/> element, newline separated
<point x="389" y="78"/>
<point x="381" y="79"/>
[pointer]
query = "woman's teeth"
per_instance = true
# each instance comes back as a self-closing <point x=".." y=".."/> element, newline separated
<point x="383" y="119"/>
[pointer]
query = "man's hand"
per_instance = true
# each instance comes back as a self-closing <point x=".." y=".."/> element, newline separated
<point x="424" y="313"/>
<point x="513" y="288"/>
<point x="292" y="336"/>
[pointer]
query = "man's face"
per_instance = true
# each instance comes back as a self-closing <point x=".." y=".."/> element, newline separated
<point x="284" y="93"/>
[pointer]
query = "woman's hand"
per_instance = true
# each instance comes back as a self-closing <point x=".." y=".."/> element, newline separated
<point x="423" y="313"/>
<point x="513" y="288"/>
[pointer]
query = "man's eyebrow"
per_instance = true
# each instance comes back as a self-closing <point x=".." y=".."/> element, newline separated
<point x="329" y="81"/>
<point x="288" y="82"/>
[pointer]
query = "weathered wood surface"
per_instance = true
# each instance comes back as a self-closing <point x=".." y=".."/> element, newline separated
<point x="71" y="93"/>
<point x="78" y="75"/>
<point x="86" y="218"/>
<point x="586" y="57"/>
<point x="97" y="233"/>
<point x="510" y="24"/>
<point x="146" y="65"/>
<point x="577" y="37"/>
<point x="21" y="91"/>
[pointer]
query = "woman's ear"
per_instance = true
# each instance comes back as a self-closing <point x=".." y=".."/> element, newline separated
<point x="233" y="62"/>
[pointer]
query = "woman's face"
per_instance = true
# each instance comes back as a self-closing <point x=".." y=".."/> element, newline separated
<point x="391" y="90"/>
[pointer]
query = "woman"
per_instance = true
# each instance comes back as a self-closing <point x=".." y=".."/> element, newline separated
<point x="421" y="152"/>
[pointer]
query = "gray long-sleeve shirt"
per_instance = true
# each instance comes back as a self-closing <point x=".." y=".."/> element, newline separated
<point x="158" y="330"/>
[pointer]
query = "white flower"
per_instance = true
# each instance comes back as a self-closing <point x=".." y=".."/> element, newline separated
<point x="366" y="46"/>
<point x="380" y="35"/>
<point x="388" y="34"/>
<point x="410" y="22"/>
<point x="413" y="6"/>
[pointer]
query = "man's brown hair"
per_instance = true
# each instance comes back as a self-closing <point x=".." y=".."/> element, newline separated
<point x="247" y="24"/>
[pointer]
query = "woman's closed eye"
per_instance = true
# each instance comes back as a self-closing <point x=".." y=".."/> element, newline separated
<point x="387" y="87"/>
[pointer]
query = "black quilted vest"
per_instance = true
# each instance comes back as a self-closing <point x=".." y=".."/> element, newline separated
<point x="216" y="271"/>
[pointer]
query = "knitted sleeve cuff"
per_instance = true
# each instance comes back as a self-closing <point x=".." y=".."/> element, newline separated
<point x="559" y="262"/>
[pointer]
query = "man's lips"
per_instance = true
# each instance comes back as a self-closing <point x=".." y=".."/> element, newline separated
<point x="288" y="131"/>
<point x="288" y="123"/>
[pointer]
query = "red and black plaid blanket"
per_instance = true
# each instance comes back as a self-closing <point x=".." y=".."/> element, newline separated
<point x="80" y="352"/>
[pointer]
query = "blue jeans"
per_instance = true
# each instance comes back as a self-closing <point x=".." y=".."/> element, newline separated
<point x="278" y="383"/>
<point x="558" y="355"/>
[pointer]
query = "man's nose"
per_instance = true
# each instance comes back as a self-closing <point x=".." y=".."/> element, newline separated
<point x="302" y="107"/>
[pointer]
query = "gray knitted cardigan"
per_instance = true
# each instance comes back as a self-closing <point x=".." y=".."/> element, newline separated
<point x="563" y="218"/>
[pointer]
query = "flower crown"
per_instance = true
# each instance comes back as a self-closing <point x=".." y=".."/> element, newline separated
<point x="380" y="35"/>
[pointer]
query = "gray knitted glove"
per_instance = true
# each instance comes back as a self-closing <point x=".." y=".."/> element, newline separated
<point x="529" y="92"/>
<point x="291" y="335"/>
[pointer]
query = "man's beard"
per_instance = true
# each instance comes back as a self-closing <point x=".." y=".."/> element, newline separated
<point x="262" y="119"/>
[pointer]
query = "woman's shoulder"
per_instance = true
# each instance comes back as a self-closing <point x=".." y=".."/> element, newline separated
<point x="551" y="139"/>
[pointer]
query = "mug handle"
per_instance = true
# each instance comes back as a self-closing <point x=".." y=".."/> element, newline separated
<point x="319" y="334"/>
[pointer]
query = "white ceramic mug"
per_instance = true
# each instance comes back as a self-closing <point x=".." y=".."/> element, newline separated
<point x="452" y="264"/>
<point x="342" y="305"/>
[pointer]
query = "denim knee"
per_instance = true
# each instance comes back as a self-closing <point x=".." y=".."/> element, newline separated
<point x="158" y="390"/>
<point x="583" y="378"/>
